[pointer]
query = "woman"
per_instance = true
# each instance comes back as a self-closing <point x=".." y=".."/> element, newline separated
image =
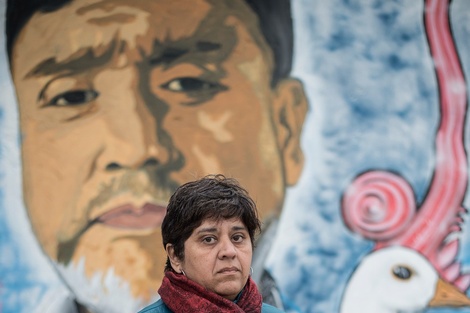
<point x="208" y="235"/>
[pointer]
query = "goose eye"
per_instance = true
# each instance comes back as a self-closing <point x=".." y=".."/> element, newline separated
<point x="402" y="272"/>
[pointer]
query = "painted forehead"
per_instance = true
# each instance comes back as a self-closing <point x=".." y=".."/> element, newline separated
<point x="147" y="27"/>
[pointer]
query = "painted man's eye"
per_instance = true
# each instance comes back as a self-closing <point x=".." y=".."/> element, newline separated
<point x="75" y="97"/>
<point x="402" y="272"/>
<point x="190" y="84"/>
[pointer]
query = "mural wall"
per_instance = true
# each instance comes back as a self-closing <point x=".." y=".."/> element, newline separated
<point x="345" y="120"/>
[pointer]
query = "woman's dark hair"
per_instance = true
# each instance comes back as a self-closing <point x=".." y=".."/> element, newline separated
<point x="274" y="17"/>
<point x="212" y="197"/>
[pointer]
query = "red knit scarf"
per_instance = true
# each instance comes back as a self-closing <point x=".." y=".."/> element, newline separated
<point x="183" y="295"/>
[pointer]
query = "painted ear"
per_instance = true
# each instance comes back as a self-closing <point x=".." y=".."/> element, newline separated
<point x="290" y="109"/>
<point x="174" y="260"/>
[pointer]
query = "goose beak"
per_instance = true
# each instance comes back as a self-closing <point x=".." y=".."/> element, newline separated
<point x="447" y="295"/>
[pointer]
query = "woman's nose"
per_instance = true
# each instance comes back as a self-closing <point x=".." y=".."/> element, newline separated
<point x="227" y="249"/>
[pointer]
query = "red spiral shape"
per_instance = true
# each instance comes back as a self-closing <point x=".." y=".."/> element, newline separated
<point x="378" y="205"/>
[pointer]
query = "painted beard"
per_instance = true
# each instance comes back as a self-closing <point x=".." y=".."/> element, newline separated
<point x="103" y="292"/>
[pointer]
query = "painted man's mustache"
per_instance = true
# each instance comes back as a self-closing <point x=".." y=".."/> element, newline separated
<point x="136" y="185"/>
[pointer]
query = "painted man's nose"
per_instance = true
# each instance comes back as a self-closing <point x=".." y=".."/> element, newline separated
<point x="134" y="154"/>
<point x="134" y="144"/>
<point x="134" y="133"/>
<point x="149" y="163"/>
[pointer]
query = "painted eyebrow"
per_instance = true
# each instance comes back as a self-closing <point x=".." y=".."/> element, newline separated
<point x="88" y="60"/>
<point x="75" y="65"/>
<point x="170" y="55"/>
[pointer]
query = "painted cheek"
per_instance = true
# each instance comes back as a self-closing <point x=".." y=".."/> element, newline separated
<point x="207" y="161"/>
<point x="47" y="180"/>
<point x="217" y="133"/>
<point x="216" y="125"/>
<point x="27" y="91"/>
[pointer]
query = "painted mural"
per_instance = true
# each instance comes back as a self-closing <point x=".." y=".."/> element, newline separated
<point x="345" y="120"/>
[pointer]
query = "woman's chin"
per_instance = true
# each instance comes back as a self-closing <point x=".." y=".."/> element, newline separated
<point x="229" y="290"/>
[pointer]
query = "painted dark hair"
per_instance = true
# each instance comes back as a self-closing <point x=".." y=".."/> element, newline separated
<point x="274" y="16"/>
<point x="212" y="197"/>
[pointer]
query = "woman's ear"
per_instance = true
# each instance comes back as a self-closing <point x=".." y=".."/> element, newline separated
<point x="290" y="109"/>
<point x="174" y="260"/>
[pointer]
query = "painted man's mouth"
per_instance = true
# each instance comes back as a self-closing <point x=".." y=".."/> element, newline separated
<point x="129" y="216"/>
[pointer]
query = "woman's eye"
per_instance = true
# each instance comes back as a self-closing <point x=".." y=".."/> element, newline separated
<point x="208" y="240"/>
<point x="190" y="84"/>
<point x="238" y="238"/>
<point x="75" y="97"/>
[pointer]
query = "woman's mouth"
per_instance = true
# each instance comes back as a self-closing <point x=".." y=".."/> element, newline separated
<point x="228" y="270"/>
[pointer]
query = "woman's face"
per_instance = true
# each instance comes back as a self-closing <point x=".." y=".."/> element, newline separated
<point x="217" y="255"/>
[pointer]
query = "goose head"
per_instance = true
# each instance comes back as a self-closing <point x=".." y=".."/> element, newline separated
<point x="397" y="280"/>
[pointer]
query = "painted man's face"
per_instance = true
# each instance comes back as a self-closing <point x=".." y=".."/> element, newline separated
<point x="123" y="101"/>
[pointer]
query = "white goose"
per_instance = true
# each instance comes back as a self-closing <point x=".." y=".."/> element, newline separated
<point x="397" y="280"/>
